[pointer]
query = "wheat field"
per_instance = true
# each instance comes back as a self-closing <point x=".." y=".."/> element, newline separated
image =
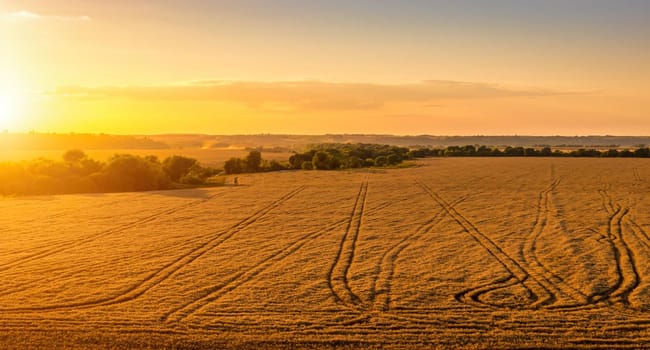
<point x="467" y="253"/>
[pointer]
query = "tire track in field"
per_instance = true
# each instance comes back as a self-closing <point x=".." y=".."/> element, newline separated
<point x="628" y="277"/>
<point x="65" y="246"/>
<point x="68" y="212"/>
<point x="534" y="289"/>
<point x="638" y="180"/>
<point x="380" y="296"/>
<point x="337" y="276"/>
<point x="551" y="280"/>
<point x="170" y="269"/>
<point x="215" y="293"/>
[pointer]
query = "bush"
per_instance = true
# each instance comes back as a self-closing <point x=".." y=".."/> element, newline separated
<point x="307" y="166"/>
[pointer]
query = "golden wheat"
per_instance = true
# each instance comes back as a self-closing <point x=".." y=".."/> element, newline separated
<point x="468" y="253"/>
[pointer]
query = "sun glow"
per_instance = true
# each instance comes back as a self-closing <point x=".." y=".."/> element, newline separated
<point x="8" y="109"/>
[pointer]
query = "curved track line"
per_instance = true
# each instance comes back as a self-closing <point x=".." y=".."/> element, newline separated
<point x="215" y="293"/>
<point x="62" y="247"/>
<point x="380" y="296"/>
<point x="551" y="280"/>
<point x="510" y="264"/>
<point x="169" y="269"/>
<point x="337" y="276"/>
<point x="628" y="278"/>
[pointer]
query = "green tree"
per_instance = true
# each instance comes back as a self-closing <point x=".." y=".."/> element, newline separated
<point x="381" y="161"/>
<point x="253" y="161"/>
<point x="393" y="159"/>
<point x="233" y="166"/>
<point x="74" y="156"/>
<point x="178" y="166"/>
<point x="321" y="161"/>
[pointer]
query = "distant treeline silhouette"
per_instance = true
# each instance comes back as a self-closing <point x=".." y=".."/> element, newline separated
<point x="484" y="151"/>
<point x="329" y="156"/>
<point x="335" y="156"/>
<point x="76" y="173"/>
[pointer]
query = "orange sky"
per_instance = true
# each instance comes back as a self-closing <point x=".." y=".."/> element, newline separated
<point x="434" y="67"/>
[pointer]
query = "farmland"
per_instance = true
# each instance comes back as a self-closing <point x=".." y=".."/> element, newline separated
<point x="462" y="252"/>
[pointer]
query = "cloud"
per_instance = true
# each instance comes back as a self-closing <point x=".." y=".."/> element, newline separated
<point x="305" y="95"/>
<point x="32" y="16"/>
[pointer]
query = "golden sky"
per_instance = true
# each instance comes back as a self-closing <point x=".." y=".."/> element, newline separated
<point x="284" y="66"/>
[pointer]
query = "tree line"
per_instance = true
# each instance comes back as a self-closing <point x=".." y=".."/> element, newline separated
<point x="77" y="173"/>
<point x="330" y="156"/>
<point x="484" y="151"/>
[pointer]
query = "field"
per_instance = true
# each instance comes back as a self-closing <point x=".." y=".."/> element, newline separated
<point x="459" y="252"/>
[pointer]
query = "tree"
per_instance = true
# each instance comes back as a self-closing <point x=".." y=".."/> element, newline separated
<point x="381" y="161"/>
<point x="354" y="162"/>
<point x="125" y="172"/>
<point x="74" y="156"/>
<point x="233" y="166"/>
<point x="643" y="152"/>
<point x="274" y="165"/>
<point x="321" y="161"/>
<point x="253" y="161"/>
<point x="177" y="166"/>
<point x="393" y="159"/>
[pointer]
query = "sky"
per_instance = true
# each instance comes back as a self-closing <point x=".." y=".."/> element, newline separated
<point x="483" y="67"/>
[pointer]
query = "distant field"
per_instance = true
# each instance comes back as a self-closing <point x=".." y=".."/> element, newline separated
<point x="209" y="157"/>
<point x="463" y="252"/>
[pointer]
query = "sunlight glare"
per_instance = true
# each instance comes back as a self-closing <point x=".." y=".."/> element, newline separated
<point x="8" y="109"/>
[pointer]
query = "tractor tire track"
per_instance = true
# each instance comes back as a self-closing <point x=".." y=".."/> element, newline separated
<point x="215" y="293"/>
<point x="157" y="277"/>
<point x="337" y="276"/>
<point x="380" y="296"/>
<point x="514" y="268"/>
<point x="551" y="280"/>
<point x="63" y="247"/>
<point x="628" y="277"/>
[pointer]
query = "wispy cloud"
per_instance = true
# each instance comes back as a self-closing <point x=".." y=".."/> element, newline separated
<point x="305" y="95"/>
<point x="33" y="16"/>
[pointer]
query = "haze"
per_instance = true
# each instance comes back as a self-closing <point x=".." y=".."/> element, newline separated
<point x="227" y="67"/>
